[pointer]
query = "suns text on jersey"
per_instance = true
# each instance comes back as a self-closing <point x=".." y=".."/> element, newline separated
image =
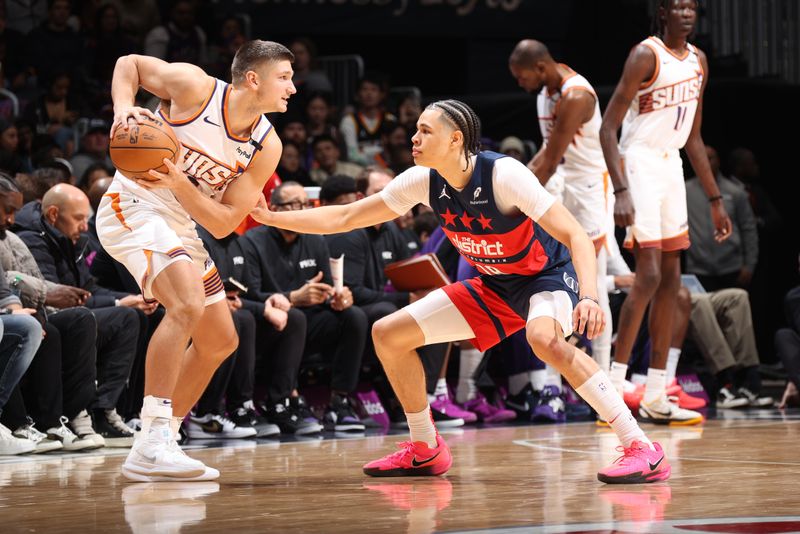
<point x="202" y="167"/>
<point x="671" y="95"/>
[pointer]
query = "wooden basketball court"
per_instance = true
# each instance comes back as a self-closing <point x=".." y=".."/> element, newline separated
<point x="739" y="473"/>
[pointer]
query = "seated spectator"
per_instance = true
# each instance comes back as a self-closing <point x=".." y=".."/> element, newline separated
<point x="290" y="167"/>
<point x="408" y="111"/>
<point x="60" y="382"/>
<point x="137" y="18"/>
<point x="180" y="39"/>
<point x="12" y="65"/>
<point x="271" y="338"/>
<point x="52" y="231"/>
<point x="223" y="49"/>
<point x="20" y="337"/>
<point x="93" y="150"/>
<point x="307" y="77"/>
<point x="361" y="129"/>
<point x="396" y="154"/>
<point x="55" y="112"/>
<point x="93" y="174"/>
<point x="318" y="118"/>
<point x="294" y="130"/>
<point x="732" y="262"/>
<point x="298" y="265"/>
<point x="105" y="43"/>
<point x="327" y="160"/>
<point x="33" y="186"/>
<point x="514" y="147"/>
<point x="56" y="49"/>
<point x="10" y="159"/>
<point x="25" y="146"/>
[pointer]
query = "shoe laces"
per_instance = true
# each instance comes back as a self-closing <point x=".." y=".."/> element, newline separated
<point x="83" y="424"/>
<point x="226" y="423"/>
<point x="30" y="432"/>
<point x="628" y="453"/>
<point x="63" y="431"/>
<point x="116" y="421"/>
<point x="406" y="447"/>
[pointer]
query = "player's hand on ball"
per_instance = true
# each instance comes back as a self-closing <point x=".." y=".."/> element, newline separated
<point x="173" y="179"/>
<point x="588" y="317"/>
<point x="125" y="116"/>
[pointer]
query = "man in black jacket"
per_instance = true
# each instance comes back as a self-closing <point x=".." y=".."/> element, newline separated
<point x="271" y="337"/>
<point x="53" y="230"/>
<point x="298" y="266"/>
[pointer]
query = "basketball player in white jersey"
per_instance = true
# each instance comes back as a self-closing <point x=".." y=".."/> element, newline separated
<point x="569" y="119"/>
<point x="660" y="97"/>
<point x="228" y="152"/>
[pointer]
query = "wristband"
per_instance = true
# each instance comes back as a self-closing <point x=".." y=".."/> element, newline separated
<point x="620" y="190"/>
<point x="711" y="200"/>
<point x="587" y="297"/>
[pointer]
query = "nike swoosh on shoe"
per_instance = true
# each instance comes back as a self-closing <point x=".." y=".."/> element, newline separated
<point x="653" y="466"/>
<point x="415" y="463"/>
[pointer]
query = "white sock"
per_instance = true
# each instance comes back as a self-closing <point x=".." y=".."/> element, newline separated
<point x="517" y="383"/>
<point x="175" y="426"/>
<point x="672" y="363"/>
<point x="552" y="378"/>
<point x="156" y="411"/>
<point x="421" y="426"/>
<point x="608" y="404"/>
<point x="538" y="379"/>
<point x="470" y="360"/>
<point x="656" y="385"/>
<point x="617" y="375"/>
<point x="441" y="388"/>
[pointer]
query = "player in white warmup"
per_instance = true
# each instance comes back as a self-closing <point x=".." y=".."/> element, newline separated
<point x="660" y="97"/>
<point x="569" y="119"/>
<point x="228" y="152"/>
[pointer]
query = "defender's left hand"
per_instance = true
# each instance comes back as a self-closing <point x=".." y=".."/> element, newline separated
<point x="588" y="316"/>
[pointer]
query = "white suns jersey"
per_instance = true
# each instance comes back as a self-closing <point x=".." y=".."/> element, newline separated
<point x="583" y="156"/>
<point x="211" y="154"/>
<point x="662" y="113"/>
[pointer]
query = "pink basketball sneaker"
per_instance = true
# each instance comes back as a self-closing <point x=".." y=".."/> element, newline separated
<point x="413" y="459"/>
<point x="637" y="465"/>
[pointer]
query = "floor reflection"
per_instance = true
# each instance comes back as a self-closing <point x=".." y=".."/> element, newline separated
<point x="421" y="499"/>
<point x="165" y="507"/>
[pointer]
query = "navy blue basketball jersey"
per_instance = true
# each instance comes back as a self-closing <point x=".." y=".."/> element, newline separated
<point x="496" y="244"/>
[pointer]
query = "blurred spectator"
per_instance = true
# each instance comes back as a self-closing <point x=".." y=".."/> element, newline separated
<point x="290" y="167"/>
<point x="12" y="65"/>
<point x="37" y="183"/>
<point x="93" y="149"/>
<point x="55" y="112"/>
<point x="787" y="346"/>
<point x="25" y="144"/>
<point x="327" y="160"/>
<point x="362" y="128"/>
<point x="307" y="77"/>
<point x="138" y="17"/>
<point x="294" y="130"/>
<point x="408" y="111"/>
<point x="94" y="173"/>
<point x="318" y="118"/>
<point x="732" y="262"/>
<point x="514" y="147"/>
<point x="54" y="47"/>
<point x="396" y="154"/>
<point x="298" y="265"/>
<point x="180" y="40"/>
<point x="105" y="43"/>
<point x="231" y="37"/>
<point x="24" y="15"/>
<point x="744" y="170"/>
<point x="10" y="160"/>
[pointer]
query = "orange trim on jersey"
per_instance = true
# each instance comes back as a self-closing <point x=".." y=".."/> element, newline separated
<point x="372" y="131"/>
<point x="226" y="120"/>
<point x="117" y="210"/>
<point x="678" y="242"/>
<point x="656" y="70"/>
<point x="194" y="149"/>
<point x="665" y="47"/>
<point x="606" y="183"/>
<point x="187" y="120"/>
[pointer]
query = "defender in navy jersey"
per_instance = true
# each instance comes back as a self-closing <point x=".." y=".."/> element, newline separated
<point x="503" y="222"/>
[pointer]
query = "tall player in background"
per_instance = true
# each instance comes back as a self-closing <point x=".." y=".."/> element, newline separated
<point x="569" y="118"/>
<point x="660" y="96"/>
<point x="148" y="225"/>
<point x="504" y="223"/>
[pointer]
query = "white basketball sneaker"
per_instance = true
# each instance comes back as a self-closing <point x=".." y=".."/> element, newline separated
<point x="156" y="457"/>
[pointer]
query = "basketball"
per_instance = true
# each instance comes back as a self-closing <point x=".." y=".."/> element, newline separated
<point x="143" y="147"/>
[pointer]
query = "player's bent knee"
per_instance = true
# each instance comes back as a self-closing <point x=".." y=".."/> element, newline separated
<point x="548" y="346"/>
<point x="386" y="339"/>
<point x="188" y="311"/>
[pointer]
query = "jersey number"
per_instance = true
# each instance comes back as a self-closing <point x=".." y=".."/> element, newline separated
<point x="488" y="269"/>
<point x="681" y="117"/>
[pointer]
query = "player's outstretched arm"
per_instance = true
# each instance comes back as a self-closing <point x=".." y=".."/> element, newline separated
<point x="639" y="68"/>
<point x="183" y="83"/>
<point x="575" y="108"/>
<point x="368" y="211"/>
<point x="559" y="223"/>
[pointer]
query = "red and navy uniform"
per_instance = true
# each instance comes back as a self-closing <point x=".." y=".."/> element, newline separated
<point x="515" y="256"/>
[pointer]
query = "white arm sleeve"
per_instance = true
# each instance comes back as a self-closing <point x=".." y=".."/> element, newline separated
<point x="516" y="186"/>
<point x="407" y="189"/>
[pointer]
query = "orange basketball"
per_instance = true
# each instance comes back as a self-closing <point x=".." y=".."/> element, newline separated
<point x="143" y="147"/>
